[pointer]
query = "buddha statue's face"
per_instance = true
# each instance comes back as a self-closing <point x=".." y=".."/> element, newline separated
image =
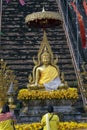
<point x="46" y="58"/>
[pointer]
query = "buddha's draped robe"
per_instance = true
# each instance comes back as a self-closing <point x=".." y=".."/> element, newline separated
<point x="50" y="77"/>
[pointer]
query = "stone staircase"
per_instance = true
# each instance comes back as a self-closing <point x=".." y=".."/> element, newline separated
<point x="79" y="52"/>
<point x="20" y="43"/>
<point x="66" y="110"/>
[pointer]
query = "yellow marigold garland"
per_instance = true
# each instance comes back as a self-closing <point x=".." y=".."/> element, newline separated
<point x="70" y="93"/>
<point x="61" y="126"/>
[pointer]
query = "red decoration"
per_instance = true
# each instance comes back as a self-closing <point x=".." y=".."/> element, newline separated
<point x="81" y="25"/>
<point x="22" y="2"/>
<point x="85" y="6"/>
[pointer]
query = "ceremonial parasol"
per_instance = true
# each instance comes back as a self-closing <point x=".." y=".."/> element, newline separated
<point x="43" y="19"/>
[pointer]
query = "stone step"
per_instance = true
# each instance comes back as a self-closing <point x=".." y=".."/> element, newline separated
<point x="37" y="109"/>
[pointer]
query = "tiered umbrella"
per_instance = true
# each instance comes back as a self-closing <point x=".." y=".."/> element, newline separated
<point x="43" y="19"/>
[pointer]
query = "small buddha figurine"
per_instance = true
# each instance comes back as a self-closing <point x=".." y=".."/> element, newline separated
<point x="47" y="75"/>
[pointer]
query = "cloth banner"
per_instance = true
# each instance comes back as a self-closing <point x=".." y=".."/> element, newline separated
<point x="85" y="6"/>
<point x="81" y="25"/>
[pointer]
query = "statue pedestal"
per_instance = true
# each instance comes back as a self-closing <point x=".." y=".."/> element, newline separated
<point x="47" y="102"/>
<point x="37" y="101"/>
<point x="37" y="108"/>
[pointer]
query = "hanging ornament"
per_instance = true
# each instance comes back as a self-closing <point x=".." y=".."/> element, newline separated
<point x="85" y="6"/>
<point x="81" y="25"/>
<point x="22" y="2"/>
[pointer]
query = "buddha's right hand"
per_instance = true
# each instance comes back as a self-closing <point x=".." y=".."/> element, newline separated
<point x="32" y="85"/>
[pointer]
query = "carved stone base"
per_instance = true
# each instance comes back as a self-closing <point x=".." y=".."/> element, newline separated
<point x="53" y="102"/>
<point x="36" y="109"/>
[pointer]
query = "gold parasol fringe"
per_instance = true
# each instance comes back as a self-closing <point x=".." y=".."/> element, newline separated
<point x="43" y="15"/>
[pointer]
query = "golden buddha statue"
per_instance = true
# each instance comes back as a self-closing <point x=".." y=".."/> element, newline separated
<point x="45" y="73"/>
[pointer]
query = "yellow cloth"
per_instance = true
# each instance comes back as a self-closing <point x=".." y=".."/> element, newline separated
<point x="48" y="74"/>
<point x="47" y="122"/>
<point x="53" y="122"/>
<point x="6" y="125"/>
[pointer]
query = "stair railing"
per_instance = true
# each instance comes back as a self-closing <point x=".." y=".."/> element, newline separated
<point x="77" y="70"/>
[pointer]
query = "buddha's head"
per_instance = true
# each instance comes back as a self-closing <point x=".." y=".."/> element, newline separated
<point x="46" y="58"/>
